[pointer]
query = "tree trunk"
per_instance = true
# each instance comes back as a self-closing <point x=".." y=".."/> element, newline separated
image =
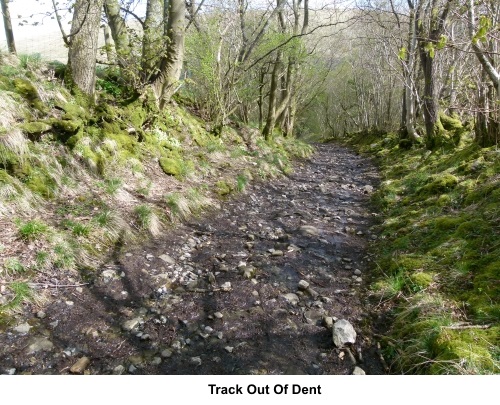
<point x="7" y="23"/>
<point x="153" y="39"/>
<point x="165" y="84"/>
<point x="83" y="45"/>
<point x="430" y="19"/>
<point x="273" y="96"/>
<point x="108" y="43"/>
<point x="119" y="30"/>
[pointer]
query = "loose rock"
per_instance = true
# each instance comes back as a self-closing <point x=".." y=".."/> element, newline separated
<point x="343" y="333"/>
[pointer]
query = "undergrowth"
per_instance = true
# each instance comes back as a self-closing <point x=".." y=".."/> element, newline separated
<point x="438" y="255"/>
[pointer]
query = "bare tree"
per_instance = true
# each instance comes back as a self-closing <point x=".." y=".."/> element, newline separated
<point x="7" y="23"/>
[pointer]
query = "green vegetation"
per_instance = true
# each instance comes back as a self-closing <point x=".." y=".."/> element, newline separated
<point x="32" y="230"/>
<point x="438" y="256"/>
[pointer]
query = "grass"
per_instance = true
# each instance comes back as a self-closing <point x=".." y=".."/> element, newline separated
<point x="32" y="230"/>
<point x="113" y="185"/>
<point x="144" y="215"/>
<point x="13" y="266"/>
<point x="438" y="256"/>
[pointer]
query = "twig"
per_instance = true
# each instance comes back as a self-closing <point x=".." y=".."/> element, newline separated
<point x="381" y="358"/>
<point x="461" y="327"/>
<point x="47" y="285"/>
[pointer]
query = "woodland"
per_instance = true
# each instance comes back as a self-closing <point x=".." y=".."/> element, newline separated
<point x="166" y="108"/>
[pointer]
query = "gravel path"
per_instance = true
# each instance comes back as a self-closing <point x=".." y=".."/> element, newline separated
<point x="251" y="289"/>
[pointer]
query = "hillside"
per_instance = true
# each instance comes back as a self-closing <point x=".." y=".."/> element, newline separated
<point x="78" y="183"/>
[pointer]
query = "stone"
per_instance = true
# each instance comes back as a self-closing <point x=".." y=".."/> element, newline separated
<point x="40" y="344"/>
<point x="132" y="324"/>
<point x="23" y="328"/>
<point x="309" y="230"/>
<point x="218" y="315"/>
<point x="247" y="272"/>
<point x="229" y="349"/>
<point x="328" y="322"/>
<point x="196" y="361"/>
<point x="226" y="286"/>
<point x="41" y="314"/>
<point x="80" y="366"/>
<point x="343" y="332"/>
<point x="291" y="298"/>
<point x="357" y="272"/>
<point x="119" y="370"/>
<point x="303" y="285"/>
<point x="156" y="361"/>
<point x="10" y="371"/>
<point x="358" y="371"/>
<point x="167" y="259"/>
<point x="108" y="274"/>
<point x="167" y="353"/>
<point x="367" y="189"/>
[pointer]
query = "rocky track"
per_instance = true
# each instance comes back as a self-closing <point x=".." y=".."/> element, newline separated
<point x="251" y="289"/>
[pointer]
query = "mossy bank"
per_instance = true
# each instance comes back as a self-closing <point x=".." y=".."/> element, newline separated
<point x="437" y="266"/>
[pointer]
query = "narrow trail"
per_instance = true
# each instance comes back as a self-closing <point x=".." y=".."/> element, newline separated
<point x="227" y="293"/>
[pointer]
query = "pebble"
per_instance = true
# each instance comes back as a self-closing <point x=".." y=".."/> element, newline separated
<point x="229" y="349"/>
<point x="303" y="285"/>
<point x="167" y="259"/>
<point x="40" y="344"/>
<point x="23" y="328"/>
<point x="167" y="353"/>
<point x="132" y="324"/>
<point x="218" y="315"/>
<point x="70" y="303"/>
<point x="80" y="366"/>
<point x="226" y="286"/>
<point x="120" y="369"/>
<point x="291" y="298"/>
<point x="357" y="272"/>
<point x="358" y="371"/>
<point x="156" y="361"/>
<point x="196" y="361"/>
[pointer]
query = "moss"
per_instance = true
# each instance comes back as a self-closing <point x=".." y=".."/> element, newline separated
<point x="171" y="166"/>
<point x="471" y="350"/>
<point x="450" y="123"/>
<point x="65" y="129"/>
<point x="223" y="188"/>
<point x="41" y="183"/>
<point x="448" y="222"/>
<point x="475" y="227"/>
<point x="444" y="200"/>
<point x="136" y="114"/>
<point x="439" y="184"/>
<point x="35" y="129"/>
<point x="29" y="92"/>
<point x="421" y="280"/>
<point x="408" y="263"/>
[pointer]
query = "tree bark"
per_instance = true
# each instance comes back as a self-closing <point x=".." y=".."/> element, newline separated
<point x="119" y="31"/>
<point x="166" y="82"/>
<point x="153" y="45"/>
<point x="83" y="45"/>
<point x="7" y="23"/>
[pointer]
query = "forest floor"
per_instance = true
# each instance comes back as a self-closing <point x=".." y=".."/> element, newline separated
<point x="252" y="288"/>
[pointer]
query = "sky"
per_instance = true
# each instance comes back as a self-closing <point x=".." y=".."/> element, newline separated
<point x="37" y="31"/>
